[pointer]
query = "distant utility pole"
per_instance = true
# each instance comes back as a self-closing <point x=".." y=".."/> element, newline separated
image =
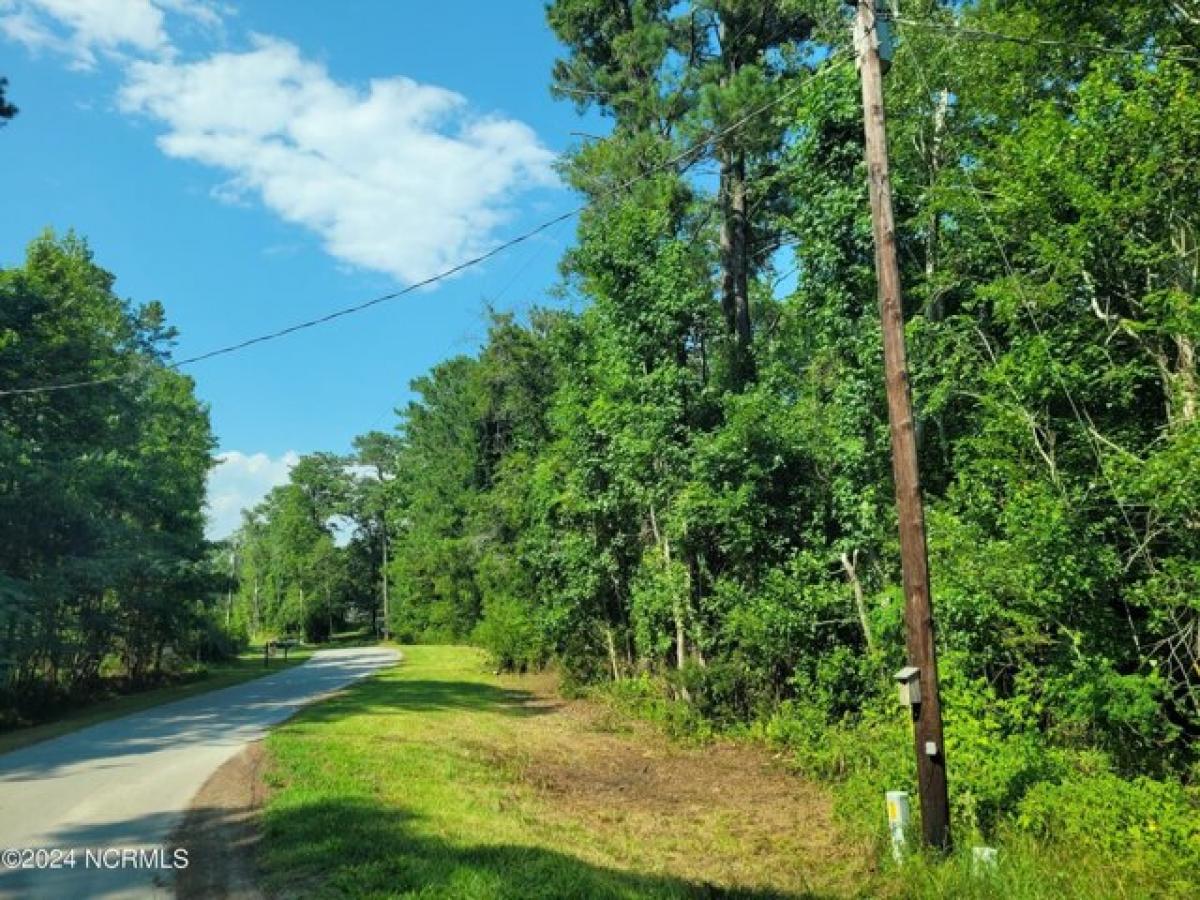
<point x="926" y="708"/>
<point x="383" y="519"/>
<point x="229" y="587"/>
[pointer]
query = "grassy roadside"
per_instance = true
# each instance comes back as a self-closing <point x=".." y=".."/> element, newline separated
<point x="215" y="676"/>
<point x="1094" y="835"/>
<point x="438" y="779"/>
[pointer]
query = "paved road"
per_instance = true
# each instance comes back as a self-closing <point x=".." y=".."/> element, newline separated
<point x="125" y="783"/>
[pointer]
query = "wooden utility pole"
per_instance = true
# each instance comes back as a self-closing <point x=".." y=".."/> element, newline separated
<point x="927" y="713"/>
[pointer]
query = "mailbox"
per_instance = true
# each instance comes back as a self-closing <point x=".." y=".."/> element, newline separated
<point x="909" y="681"/>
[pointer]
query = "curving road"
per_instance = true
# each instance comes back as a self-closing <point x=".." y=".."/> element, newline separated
<point x="125" y="783"/>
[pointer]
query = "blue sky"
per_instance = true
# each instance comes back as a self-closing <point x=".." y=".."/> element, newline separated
<point x="255" y="164"/>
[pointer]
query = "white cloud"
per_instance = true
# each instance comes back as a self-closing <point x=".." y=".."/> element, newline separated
<point x="206" y="12"/>
<point x="400" y="177"/>
<point x="79" y="29"/>
<point x="239" y="481"/>
<point x="397" y="177"/>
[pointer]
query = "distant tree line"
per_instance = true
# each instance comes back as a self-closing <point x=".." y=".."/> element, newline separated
<point x="296" y="574"/>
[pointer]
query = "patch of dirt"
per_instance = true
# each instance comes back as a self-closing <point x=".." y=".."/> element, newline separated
<point x="726" y="813"/>
<point x="220" y="832"/>
<point x="723" y="814"/>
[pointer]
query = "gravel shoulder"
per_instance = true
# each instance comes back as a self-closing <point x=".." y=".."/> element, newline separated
<point x="220" y="832"/>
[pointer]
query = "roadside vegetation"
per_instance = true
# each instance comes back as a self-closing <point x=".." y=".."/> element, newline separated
<point x="106" y="580"/>
<point x="192" y="680"/>
<point x="111" y="599"/>
<point x="441" y="779"/>
<point x="673" y="484"/>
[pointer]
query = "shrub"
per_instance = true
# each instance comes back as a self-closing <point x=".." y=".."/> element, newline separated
<point x="1145" y="823"/>
<point x="508" y="634"/>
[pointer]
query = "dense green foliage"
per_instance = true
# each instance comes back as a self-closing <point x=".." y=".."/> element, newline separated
<point x="687" y="481"/>
<point x="309" y="558"/>
<point x="103" y="566"/>
<point x="293" y="577"/>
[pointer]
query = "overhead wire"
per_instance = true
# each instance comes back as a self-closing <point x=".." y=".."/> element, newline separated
<point x="987" y="35"/>
<point x="695" y="150"/>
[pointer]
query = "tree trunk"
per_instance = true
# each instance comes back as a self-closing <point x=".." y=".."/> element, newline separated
<point x="735" y="293"/>
<point x="1184" y="390"/>
<point x="734" y="239"/>
<point x="934" y="307"/>
<point x="680" y="636"/>
<point x="229" y="592"/>
<point x="697" y="583"/>
<point x="386" y="624"/>
<point x="1185" y="378"/>
<point x="677" y="603"/>
<point x="611" y="644"/>
<point x="859" y="601"/>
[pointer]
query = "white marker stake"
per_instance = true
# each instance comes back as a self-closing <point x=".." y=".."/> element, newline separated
<point x="897" y="810"/>
<point x="983" y="860"/>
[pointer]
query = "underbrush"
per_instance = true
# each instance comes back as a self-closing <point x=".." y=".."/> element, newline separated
<point x="1066" y="822"/>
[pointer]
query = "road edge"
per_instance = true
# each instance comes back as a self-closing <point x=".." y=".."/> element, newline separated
<point x="222" y="826"/>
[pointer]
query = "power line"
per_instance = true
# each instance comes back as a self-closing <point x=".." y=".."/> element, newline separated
<point x="985" y="35"/>
<point x="580" y="92"/>
<point x="694" y="150"/>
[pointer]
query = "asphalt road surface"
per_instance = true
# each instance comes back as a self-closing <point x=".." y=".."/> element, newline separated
<point x="122" y="786"/>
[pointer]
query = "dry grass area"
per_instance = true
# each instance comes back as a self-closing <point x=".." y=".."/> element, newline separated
<point x="722" y="813"/>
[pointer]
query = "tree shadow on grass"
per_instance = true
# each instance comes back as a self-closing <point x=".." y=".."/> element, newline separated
<point x="384" y="696"/>
<point x="351" y="847"/>
<point x="356" y="847"/>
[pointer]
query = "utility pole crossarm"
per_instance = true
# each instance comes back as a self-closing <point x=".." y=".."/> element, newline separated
<point x="927" y="713"/>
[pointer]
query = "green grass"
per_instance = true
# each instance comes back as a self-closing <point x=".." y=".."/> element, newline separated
<point x="437" y="779"/>
<point x="213" y="677"/>
<point x="1028" y="869"/>
<point x="430" y="780"/>
<point x="414" y="783"/>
